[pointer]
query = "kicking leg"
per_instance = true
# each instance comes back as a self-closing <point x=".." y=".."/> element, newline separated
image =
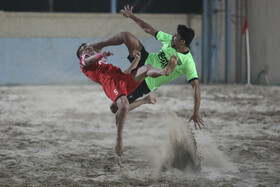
<point x="126" y="38"/>
<point x="150" y="71"/>
<point x="147" y="100"/>
<point x="121" y="115"/>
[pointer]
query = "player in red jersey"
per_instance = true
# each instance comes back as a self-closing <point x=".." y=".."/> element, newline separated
<point x="117" y="84"/>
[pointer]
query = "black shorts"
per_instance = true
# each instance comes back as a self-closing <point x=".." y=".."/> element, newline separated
<point x="143" y="88"/>
<point x="144" y="56"/>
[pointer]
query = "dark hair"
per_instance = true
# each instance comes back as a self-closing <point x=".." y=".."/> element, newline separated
<point x="186" y="34"/>
<point x="78" y="51"/>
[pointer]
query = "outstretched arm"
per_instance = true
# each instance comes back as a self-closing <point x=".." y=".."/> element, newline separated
<point x="127" y="12"/>
<point x="196" y="117"/>
<point x="134" y="63"/>
<point x="95" y="58"/>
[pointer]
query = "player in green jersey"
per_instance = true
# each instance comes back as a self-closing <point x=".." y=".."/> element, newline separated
<point x="177" y="44"/>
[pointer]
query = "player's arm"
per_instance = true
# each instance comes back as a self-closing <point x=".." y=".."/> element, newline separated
<point x="134" y="64"/>
<point x="127" y="12"/>
<point x="196" y="117"/>
<point x="95" y="58"/>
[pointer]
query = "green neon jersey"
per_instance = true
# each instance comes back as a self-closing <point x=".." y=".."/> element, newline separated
<point x="185" y="64"/>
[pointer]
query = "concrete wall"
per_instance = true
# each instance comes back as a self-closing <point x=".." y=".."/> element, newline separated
<point x="35" y="61"/>
<point x="264" y="28"/>
<point x="40" y="48"/>
<point x="87" y="25"/>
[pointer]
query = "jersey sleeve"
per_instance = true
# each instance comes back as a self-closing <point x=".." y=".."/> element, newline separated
<point x="163" y="37"/>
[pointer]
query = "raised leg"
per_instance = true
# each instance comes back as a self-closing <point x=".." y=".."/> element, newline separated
<point x="150" y="71"/>
<point x="131" y="42"/>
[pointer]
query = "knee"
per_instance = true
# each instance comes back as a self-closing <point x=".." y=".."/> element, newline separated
<point x="114" y="108"/>
<point x="124" y="108"/>
<point x="123" y="105"/>
<point x="125" y="34"/>
<point x="147" y="67"/>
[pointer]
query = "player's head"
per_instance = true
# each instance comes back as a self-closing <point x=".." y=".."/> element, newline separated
<point x="184" y="36"/>
<point x="84" y="48"/>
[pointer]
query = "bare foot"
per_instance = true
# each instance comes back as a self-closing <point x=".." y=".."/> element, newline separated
<point x="171" y="65"/>
<point x="151" y="99"/>
<point x="119" y="159"/>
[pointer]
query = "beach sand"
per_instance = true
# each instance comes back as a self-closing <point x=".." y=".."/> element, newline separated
<point x="65" y="136"/>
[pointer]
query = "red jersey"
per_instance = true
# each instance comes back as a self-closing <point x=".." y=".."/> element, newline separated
<point x="113" y="81"/>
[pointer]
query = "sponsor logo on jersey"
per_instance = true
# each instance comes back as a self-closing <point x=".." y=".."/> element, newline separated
<point x="163" y="59"/>
<point x="179" y="62"/>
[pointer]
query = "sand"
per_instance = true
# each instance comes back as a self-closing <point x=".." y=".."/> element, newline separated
<point x="65" y="136"/>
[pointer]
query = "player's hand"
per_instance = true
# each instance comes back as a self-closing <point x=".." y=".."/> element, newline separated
<point x="106" y="54"/>
<point x="137" y="54"/>
<point x="127" y="11"/>
<point x="197" y="121"/>
<point x="118" y="148"/>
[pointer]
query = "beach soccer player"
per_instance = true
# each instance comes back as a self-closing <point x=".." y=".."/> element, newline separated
<point x="118" y="84"/>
